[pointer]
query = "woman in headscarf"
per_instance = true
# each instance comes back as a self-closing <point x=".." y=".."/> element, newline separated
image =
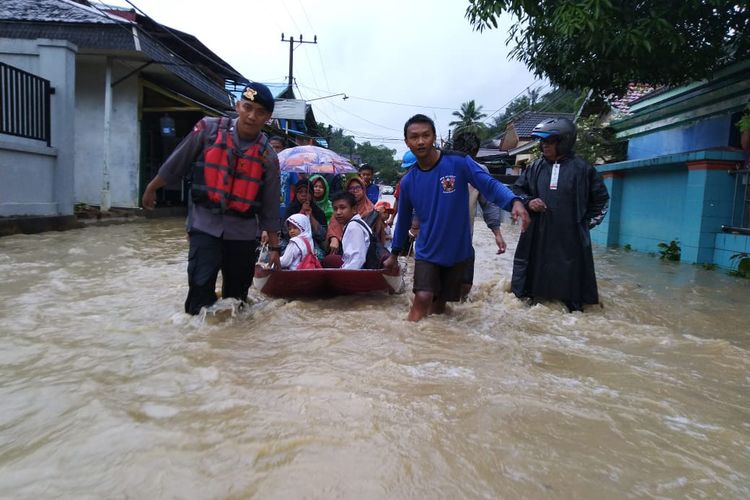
<point x="302" y="204"/>
<point x="320" y="196"/>
<point x="301" y="242"/>
<point x="364" y="208"/>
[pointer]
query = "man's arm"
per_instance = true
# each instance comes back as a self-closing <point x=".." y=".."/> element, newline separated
<point x="177" y="164"/>
<point x="598" y="204"/>
<point x="405" y="207"/>
<point x="497" y="192"/>
<point x="491" y="215"/>
<point x="270" y="199"/>
<point x="492" y="189"/>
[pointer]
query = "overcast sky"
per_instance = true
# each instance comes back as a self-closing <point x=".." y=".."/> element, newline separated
<point x="416" y="52"/>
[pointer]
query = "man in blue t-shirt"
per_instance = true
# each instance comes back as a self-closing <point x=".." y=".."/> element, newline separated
<point x="437" y="191"/>
<point x="366" y="173"/>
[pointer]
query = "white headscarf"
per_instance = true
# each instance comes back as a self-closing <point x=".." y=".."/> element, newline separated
<point x="301" y="222"/>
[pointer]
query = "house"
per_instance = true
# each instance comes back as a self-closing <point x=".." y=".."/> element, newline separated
<point x="517" y="141"/>
<point x="121" y="92"/>
<point x="292" y="117"/>
<point x="682" y="179"/>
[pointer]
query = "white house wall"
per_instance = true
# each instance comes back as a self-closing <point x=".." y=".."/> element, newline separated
<point x="124" y="158"/>
<point x="36" y="179"/>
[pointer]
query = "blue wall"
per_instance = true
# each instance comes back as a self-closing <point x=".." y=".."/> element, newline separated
<point x="706" y="134"/>
<point x="651" y="209"/>
<point x="728" y="245"/>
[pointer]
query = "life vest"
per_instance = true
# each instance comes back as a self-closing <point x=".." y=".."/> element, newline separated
<point x="228" y="180"/>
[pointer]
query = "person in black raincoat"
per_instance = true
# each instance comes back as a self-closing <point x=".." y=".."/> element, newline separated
<point x="566" y="197"/>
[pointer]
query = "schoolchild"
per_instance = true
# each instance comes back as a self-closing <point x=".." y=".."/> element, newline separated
<point x="363" y="207"/>
<point x="384" y="209"/>
<point x="302" y="204"/>
<point x="372" y="190"/>
<point x="299" y="252"/>
<point x="356" y="238"/>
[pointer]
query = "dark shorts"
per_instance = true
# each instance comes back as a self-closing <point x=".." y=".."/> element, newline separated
<point x="443" y="282"/>
<point x="468" y="278"/>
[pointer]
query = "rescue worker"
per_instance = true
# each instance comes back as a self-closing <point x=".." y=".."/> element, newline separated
<point x="566" y="197"/>
<point x="234" y="195"/>
<point x="436" y="189"/>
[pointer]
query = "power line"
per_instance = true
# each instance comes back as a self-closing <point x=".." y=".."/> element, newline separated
<point x="119" y="21"/>
<point x="385" y="102"/>
<point x="513" y="99"/>
<point x="299" y="30"/>
<point x="320" y="57"/>
<point x="169" y="31"/>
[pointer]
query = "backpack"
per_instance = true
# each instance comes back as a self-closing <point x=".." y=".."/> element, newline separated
<point x="309" y="261"/>
<point x="376" y="252"/>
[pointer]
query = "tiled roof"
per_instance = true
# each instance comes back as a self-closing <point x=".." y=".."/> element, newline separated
<point x="52" y="11"/>
<point x="526" y="122"/>
<point x="89" y="28"/>
<point x="635" y="92"/>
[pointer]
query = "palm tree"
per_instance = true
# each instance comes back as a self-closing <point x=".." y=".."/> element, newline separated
<point x="469" y="119"/>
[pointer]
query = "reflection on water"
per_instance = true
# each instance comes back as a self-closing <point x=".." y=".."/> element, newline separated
<point x="108" y="390"/>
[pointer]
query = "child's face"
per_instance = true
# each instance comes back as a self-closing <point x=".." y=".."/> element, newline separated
<point x="293" y="230"/>
<point x="342" y="211"/>
<point x="302" y="194"/>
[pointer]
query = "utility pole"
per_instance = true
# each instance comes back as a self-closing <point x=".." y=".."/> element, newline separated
<point x="292" y="41"/>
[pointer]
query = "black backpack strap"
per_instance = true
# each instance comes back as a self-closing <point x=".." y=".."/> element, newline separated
<point x="364" y="225"/>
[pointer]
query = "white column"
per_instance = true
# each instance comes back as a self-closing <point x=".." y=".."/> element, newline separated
<point x="106" y="202"/>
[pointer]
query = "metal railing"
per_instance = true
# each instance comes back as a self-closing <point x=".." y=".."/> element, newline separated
<point x="24" y="104"/>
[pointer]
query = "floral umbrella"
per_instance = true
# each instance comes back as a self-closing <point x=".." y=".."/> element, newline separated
<point x="313" y="160"/>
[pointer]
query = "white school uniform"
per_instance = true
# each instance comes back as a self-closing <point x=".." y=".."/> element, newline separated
<point x="355" y="243"/>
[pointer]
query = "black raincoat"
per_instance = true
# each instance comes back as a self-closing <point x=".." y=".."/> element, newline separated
<point x="553" y="259"/>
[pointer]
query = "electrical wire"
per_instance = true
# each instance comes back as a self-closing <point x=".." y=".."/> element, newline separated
<point x="118" y="21"/>
<point x="167" y="29"/>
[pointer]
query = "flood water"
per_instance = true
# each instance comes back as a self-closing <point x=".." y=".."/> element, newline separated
<point x="108" y="390"/>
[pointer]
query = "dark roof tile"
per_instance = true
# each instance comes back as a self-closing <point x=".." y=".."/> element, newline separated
<point x="525" y="122"/>
<point x="52" y="11"/>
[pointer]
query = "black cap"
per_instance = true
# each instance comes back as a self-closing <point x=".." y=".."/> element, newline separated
<point x="257" y="92"/>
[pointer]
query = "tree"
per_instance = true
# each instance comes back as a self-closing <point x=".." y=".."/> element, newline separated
<point x="469" y="119"/>
<point x="382" y="160"/>
<point x="606" y="44"/>
<point x="558" y="100"/>
<point x="380" y="157"/>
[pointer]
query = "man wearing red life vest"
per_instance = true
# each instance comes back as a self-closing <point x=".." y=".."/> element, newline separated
<point x="234" y="195"/>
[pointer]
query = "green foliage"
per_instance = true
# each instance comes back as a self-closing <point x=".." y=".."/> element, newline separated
<point x="607" y="44"/>
<point x="627" y="247"/>
<point x="558" y="100"/>
<point x="744" y="123"/>
<point x="380" y="157"/>
<point x="469" y="119"/>
<point x="670" y="251"/>
<point x="743" y="264"/>
<point x="598" y="144"/>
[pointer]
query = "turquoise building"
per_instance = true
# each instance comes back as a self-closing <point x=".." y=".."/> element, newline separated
<point x="683" y="177"/>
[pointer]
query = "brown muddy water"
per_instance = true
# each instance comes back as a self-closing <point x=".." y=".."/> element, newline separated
<point x="108" y="390"/>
